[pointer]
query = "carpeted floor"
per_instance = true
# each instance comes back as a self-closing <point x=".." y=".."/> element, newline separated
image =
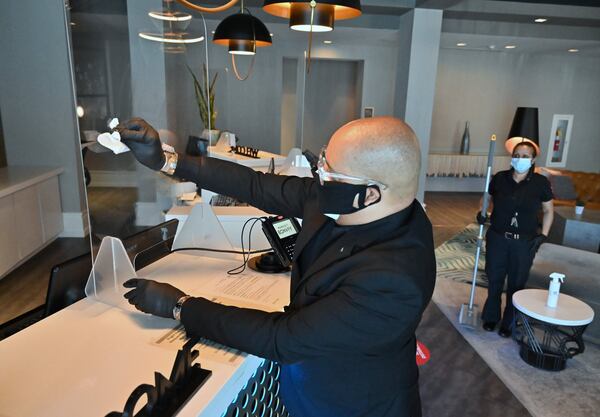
<point x="456" y="381"/>
<point x="573" y="392"/>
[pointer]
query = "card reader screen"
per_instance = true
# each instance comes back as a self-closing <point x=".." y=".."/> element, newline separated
<point x="284" y="228"/>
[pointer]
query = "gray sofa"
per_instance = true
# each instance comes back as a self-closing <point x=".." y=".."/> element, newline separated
<point x="582" y="270"/>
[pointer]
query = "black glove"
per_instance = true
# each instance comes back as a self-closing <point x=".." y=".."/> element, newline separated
<point x="536" y="242"/>
<point x="153" y="297"/>
<point x="481" y="219"/>
<point x="143" y="141"/>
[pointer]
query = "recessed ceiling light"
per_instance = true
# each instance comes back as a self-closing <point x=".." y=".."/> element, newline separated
<point x="73" y="23"/>
<point x="540" y="20"/>
<point x="461" y="44"/>
<point x="573" y="50"/>
<point x="328" y="42"/>
<point x="212" y="31"/>
<point x="510" y="46"/>
<point x="271" y="34"/>
<point x="492" y="46"/>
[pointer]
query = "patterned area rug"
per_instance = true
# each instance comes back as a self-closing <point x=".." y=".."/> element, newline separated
<point x="456" y="257"/>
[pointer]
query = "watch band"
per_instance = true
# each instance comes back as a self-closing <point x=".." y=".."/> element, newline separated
<point x="170" y="163"/>
<point x="178" y="306"/>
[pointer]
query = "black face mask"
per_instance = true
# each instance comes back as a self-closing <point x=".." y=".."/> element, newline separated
<point x="338" y="197"/>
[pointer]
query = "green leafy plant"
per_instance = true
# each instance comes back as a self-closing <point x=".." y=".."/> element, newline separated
<point x="580" y="203"/>
<point x="200" y="90"/>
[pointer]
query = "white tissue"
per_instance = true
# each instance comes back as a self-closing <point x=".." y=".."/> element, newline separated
<point x="112" y="140"/>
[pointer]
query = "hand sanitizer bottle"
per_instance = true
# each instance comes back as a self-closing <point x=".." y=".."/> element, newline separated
<point x="554" y="289"/>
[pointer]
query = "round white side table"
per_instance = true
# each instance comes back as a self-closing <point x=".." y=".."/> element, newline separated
<point x="549" y="336"/>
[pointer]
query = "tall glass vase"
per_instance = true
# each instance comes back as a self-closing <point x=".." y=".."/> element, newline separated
<point x="465" y="143"/>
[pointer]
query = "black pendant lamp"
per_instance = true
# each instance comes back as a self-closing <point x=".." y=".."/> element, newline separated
<point x="242" y="33"/>
<point x="313" y="16"/>
<point x="524" y="129"/>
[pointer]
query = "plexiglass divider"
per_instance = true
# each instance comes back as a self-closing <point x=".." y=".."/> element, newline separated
<point x="202" y="229"/>
<point x="111" y="268"/>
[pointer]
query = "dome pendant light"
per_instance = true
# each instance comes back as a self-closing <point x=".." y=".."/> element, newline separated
<point x="242" y="33"/>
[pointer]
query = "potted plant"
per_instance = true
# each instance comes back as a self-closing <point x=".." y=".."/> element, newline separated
<point x="579" y="206"/>
<point x="203" y="107"/>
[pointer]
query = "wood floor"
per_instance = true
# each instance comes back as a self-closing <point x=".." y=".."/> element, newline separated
<point x="112" y="213"/>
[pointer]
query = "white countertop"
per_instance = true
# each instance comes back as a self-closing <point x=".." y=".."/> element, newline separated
<point x="15" y="178"/>
<point x="569" y="312"/>
<point x="87" y="358"/>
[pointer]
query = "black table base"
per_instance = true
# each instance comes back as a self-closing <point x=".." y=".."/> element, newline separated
<point x="545" y="345"/>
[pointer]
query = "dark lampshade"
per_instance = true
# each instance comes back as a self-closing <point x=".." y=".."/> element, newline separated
<point x="325" y="13"/>
<point x="242" y="33"/>
<point x="524" y="129"/>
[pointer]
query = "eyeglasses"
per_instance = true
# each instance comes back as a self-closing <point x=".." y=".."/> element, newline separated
<point x="329" y="175"/>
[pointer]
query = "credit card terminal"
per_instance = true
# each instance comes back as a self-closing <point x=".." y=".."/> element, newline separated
<point x="282" y="232"/>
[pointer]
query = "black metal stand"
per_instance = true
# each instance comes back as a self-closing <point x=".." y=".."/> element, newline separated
<point x="545" y="345"/>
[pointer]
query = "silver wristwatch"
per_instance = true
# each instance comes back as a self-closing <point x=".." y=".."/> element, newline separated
<point x="178" y="305"/>
<point x="170" y="163"/>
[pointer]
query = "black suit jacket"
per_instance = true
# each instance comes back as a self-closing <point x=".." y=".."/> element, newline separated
<point x="346" y="342"/>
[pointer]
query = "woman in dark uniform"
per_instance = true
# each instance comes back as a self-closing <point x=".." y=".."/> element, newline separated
<point x="514" y="236"/>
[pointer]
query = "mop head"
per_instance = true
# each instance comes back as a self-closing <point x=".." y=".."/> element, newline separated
<point x="469" y="316"/>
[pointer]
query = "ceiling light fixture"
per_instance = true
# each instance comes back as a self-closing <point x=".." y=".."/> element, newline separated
<point x="312" y="16"/>
<point x="540" y="20"/>
<point x="328" y="42"/>
<point x="510" y="46"/>
<point x="203" y="9"/>
<point x="461" y="44"/>
<point x="242" y="33"/>
<point x="171" y="29"/>
<point x="170" y="37"/>
<point x="171" y="16"/>
<point x="573" y="50"/>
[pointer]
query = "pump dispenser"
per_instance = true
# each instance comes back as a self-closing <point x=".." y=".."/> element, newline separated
<point x="554" y="290"/>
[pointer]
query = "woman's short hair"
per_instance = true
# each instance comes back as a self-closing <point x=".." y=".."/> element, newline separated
<point x="529" y="144"/>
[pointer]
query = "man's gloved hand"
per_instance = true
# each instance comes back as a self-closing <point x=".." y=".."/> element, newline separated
<point x="481" y="219"/>
<point x="143" y="141"/>
<point x="536" y="242"/>
<point x="153" y="297"/>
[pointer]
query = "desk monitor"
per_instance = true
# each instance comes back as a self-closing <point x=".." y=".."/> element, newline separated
<point x="67" y="283"/>
<point x="151" y="244"/>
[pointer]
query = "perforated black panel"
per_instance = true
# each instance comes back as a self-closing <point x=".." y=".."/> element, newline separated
<point x="260" y="396"/>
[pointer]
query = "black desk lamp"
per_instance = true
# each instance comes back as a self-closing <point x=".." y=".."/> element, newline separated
<point x="524" y="129"/>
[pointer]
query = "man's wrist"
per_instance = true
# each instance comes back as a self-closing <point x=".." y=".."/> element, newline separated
<point x="178" y="307"/>
<point x="170" y="163"/>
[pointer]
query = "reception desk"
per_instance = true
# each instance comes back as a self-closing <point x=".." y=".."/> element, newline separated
<point x="86" y="360"/>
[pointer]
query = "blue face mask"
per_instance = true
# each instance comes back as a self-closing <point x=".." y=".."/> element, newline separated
<point x="521" y="165"/>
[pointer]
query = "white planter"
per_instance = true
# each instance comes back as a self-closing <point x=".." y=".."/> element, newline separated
<point x="579" y="210"/>
<point x="212" y="135"/>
